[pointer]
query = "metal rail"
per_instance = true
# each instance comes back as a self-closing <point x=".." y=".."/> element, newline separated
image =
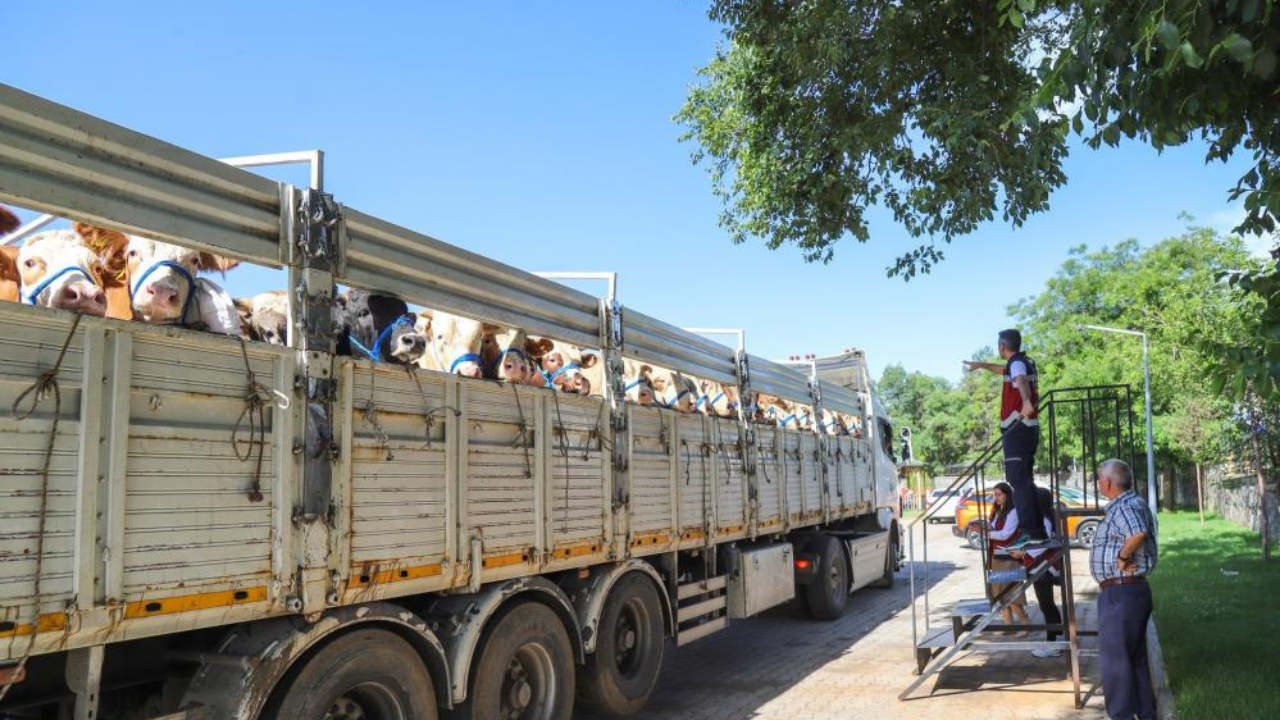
<point x="1103" y="418"/>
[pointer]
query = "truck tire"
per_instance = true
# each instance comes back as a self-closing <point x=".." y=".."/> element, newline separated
<point x="368" y="674"/>
<point x="525" y="669"/>
<point x="619" y="677"/>
<point x="890" y="560"/>
<point x="828" y="595"/>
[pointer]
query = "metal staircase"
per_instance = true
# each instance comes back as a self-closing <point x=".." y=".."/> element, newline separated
<point x="1087" y="425"/>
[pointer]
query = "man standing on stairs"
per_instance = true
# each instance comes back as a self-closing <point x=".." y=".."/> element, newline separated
<point x="1019" y="426"/>
<point x="1123" y="554"/>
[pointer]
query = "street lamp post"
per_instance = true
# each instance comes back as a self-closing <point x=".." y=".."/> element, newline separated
<point x="1146" y="391"/>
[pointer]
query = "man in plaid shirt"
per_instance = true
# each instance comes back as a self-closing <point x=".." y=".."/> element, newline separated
<point x="1123" y="554"/>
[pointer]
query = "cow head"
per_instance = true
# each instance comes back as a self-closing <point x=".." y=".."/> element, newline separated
<point x="160" y="276"/>
<point x="562" y="365"/>
<point x="681" y="393"/>
<point x="505" y="356"/>
<point x="379" y="327"/>
<point x="57" y="269"/>
<point x="776" y="411"/>
<point x="717" y="400"/>
<point x="453" y="343"/>
<point x="640" y="389"/>
<point x="829" y="423"/>
<point x="265" y="316"/>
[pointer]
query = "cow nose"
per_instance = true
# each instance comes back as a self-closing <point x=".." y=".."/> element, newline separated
<point x="162" y="294"/>
<point x="470" y="370"/>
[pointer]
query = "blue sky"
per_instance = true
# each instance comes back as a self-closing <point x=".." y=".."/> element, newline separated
<point x="540" y="134"/>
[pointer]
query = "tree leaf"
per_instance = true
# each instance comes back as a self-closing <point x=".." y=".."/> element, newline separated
<point x="1167" y="33"/>
<point x="1238" y="47"/>
<point x="1190" y="56"/>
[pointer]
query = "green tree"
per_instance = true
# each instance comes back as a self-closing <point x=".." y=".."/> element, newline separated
<point x="1171" y="291"/>
<point x="948" y="112"/>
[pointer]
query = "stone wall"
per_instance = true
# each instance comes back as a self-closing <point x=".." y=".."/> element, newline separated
<point x="1232" y="492"/>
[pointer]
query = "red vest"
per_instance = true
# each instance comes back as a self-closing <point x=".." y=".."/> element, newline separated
<point x="1010" y="397"/>
<point x="997" y="522"/>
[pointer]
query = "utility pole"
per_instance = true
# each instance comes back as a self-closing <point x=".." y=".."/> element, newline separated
<point x="1146" y="386"/>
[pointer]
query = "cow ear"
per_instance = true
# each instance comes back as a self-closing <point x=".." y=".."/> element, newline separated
<point x="646" y="371"/>
<point x="215" y="263"/>
<point x="244" y="306"/>
<point x="589" y="360"/>
<point x="9" y="263"/>
<point x="538" y="347"/>
<point x="110" y="245"/>
<point x="8" y="221"/>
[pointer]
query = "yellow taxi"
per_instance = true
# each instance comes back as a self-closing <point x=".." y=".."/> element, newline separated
<point x="1080" y="528"/>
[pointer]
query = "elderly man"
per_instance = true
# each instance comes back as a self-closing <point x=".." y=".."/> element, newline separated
<point x="1019" y="426"/>
<point x="1123" y="554"/>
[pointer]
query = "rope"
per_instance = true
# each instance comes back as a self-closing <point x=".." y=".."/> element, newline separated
<point x="522" y="436"/>
<point x="562" y="438"/>
<point x="45" y="384"/>
<point x="255" y="403"/>
<point x="430" y="416"/>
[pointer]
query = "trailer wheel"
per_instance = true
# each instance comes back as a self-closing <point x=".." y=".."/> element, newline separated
<point x="619" y="677"/>
<point x="828" y="594"/>
<point x="525" y="670"/>
<point x="363" y="675"/>
<point x="890" y="561"/>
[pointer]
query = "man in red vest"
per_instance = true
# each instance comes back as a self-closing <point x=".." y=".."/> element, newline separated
<point x="1019" y="426"/>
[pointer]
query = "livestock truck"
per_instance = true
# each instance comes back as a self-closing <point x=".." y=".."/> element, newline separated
<point x="196" y="527"/>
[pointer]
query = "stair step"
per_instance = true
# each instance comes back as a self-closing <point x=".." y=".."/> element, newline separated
<point x="971" y="608"/>
<point x="940" y="638"/>
<point x="1016" y="575"/>
<point x="697" y="632"/>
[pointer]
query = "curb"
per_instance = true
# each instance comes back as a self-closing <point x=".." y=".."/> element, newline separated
<point x="1159" y="675"/>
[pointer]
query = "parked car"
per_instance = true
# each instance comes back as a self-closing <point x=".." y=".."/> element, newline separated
<point x="970" y="509"/>
<point x="945" y="502"/>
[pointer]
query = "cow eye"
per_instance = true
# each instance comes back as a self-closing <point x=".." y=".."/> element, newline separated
<point x="30" y="263"/>
<point x="364" y="312"/>
<point x="133" y="253"/>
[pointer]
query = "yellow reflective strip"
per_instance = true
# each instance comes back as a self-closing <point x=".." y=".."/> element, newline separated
<point x="360" y="579"/>
<point x="497" y="561"/>
<point x="49" y="622"/>
<point x="191" y="603"/>
<point x="650" y="538"/>
<point x="574" y="551"/>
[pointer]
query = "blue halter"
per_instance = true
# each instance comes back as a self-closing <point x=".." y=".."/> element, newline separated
<point x="465" y="357"/>
<point x="633" y="384"/>
<point x="182" y="271"/>
<point x="502" y="355"/>
<point x="375" y="353"/>
<point x="44" y="284"/>
<point x="550" y="378"/>
<point x="676" y="399"/>
<point x="783" y="422"/>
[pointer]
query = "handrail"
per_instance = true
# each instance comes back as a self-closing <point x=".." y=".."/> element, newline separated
<point x="970" y="472"/>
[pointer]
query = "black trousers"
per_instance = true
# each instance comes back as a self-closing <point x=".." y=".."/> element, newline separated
<point x="1020" y="445"/>
<point x="1044" y="595"/>
<point x="1123" y="611"/>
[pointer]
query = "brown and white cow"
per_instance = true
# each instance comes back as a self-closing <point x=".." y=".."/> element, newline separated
<point x="56" y="269"/>
<point x="716" y="399"/>
<point x="453" y="343"/>
<point x="567" y="368"/>
<point x="163" y="285"/>
<point x="265" y="317"/>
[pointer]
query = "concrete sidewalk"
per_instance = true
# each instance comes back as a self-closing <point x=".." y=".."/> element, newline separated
<point x="785" y="667"/>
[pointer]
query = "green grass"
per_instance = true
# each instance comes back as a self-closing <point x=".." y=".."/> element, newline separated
<point x="1220" y="633"/>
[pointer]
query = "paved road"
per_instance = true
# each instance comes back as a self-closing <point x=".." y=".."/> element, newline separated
<point x="783" y="666"/>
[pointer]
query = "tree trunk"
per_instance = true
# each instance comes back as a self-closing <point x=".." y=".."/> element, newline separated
<point x="1262" y="495"/>
<point x="1200" y="490"/>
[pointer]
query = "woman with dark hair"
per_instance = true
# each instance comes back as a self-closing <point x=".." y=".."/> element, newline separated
<point x="1002" y="530"/>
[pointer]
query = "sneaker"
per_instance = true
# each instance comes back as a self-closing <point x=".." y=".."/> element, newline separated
<point x="1047" y="652"/>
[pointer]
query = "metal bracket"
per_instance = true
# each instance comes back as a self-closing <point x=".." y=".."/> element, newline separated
<point x="84" y="677"/>
<point x="315" y="257"/>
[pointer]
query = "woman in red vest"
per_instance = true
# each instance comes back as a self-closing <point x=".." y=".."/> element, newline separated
<point x="1002" y="531"/>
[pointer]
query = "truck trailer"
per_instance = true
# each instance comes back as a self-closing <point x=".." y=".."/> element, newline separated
<point x="195" y="526"/>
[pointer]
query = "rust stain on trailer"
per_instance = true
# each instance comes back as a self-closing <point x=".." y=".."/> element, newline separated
<point x="364" y="577"/>
<point x="190" y="603"/>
